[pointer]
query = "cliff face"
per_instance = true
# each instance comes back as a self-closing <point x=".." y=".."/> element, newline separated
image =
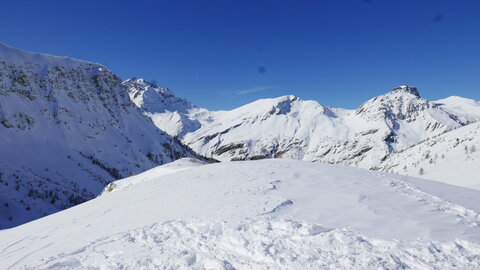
<point x="68" y="128"/>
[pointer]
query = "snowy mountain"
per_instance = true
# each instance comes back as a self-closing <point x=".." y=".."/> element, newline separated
<point x="67" y="129"/>
<point x="165" y="109"/>
<point x="452" y="157"/>
<point x="266" y="214"/>
<point x="289" y="127"/>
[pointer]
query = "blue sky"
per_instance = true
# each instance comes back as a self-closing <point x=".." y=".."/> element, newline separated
<point x="223" y="54"/>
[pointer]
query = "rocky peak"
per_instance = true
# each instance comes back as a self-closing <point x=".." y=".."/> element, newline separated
<point x="151" y="98"/>
<point x="284" y="105"/>
<point x="401" y="101"/>
<point x="406" y="89"/>
<point x="141" y="85"/>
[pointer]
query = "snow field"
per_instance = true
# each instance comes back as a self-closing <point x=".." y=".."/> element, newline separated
<point x="262" y="243"/>
<point x="267" y="214"/>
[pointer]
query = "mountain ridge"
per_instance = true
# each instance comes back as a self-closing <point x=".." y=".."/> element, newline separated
<point x="67" y="129"/>
<point x="291" y="127"/>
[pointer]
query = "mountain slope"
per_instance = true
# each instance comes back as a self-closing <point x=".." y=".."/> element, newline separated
<point x="452" y="157"/>
<point x="67" y="128"/>
<point x="163" y="107"/>
<point x="290" y="127"/>
<point x="468" y="110"/>
<point x="268" y="214"/>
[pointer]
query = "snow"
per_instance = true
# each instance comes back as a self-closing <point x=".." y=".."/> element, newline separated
<point x="452" y="158"/>
<point x="467" y="109"/>
<point x="178" y="165"/>
<point x="19" y="57"/>
<point x="265" y="214"/>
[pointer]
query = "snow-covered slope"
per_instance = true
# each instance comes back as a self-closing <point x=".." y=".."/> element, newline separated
<point x="165" y="109"/>
<point x="267" y="214"/>
<point x="290" y="127"/>
<point x="179" y="165"/>
<point x="453" y="158"/>
<point x="67" y="128"/>
<point x="467" y="110"/>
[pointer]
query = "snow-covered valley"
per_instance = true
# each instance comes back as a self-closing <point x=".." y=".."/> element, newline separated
<point x="280" y="214"/>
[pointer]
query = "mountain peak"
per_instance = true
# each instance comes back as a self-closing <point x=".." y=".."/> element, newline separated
<point x="287" y="98"/>
<point x="406" y="89"/>
<point x="143" y="82"/>
<point x="150" y="97"/>
<point x="141" y="85"/>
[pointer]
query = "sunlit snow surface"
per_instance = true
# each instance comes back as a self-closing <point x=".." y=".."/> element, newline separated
<point x="452" y="158"/>
<point x="268" y="214"/>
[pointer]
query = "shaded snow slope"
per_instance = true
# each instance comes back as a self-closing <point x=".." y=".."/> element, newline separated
<point x="289" y="127"/>
<point x="275" y="213"/>
<point x="67" y="128"/>
<point x="453" y="158"/>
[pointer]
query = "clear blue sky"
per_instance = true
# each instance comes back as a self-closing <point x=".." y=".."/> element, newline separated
<point x="222" y="54"/>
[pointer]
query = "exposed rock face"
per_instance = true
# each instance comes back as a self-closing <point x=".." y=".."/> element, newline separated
<point x="289" y="127"/>
<point x="406" y="89"/>
<point x="68" y="128"/>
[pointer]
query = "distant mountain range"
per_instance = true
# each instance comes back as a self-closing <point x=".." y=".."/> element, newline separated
<point x="69" y="127"/>
<point x="388" y="132"/>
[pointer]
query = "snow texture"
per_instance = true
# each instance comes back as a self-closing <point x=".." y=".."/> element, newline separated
<point x="267" y="214"/>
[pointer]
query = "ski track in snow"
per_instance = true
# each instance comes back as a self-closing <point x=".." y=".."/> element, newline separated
<point x="260" y="244"/>
<point x="464" y="215"/>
